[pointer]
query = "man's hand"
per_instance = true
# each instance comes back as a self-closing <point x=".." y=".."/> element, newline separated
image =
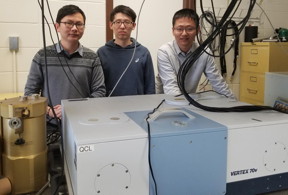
<point x="57" y="110"/>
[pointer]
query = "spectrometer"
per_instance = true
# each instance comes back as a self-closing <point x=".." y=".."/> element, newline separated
<point x="192" y="151"/>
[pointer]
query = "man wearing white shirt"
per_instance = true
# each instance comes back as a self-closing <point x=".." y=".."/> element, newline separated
<point x="171" y="55"/>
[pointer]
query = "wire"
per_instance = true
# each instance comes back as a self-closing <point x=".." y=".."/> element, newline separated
<point x="203" y="84"/>
<point x="149" y="146"/>
<point x="45" y="59"/>
<point x="53" y="133"/>
<point x="57" y="133"/>
<point x="211" y="91"/>
<point x="43" y="188"/>
<point x="214" y="23"/>
<point x="258" y="4"/>
<point x="46" y="69"/>
<point x="212" y="20"/>
<point x="274" y="30"/>
<point x="192" y="57"/>
<point x="134" y="51"/>
<point x="58" y="55"/>
<point x="184" y="68"/>
<point x="222" y="40"/>
<point x="223" y="37"/>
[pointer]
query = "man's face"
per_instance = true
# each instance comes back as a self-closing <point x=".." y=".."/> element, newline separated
<point x="71" y="28"/>
<point x="184" y="31"/>
<point x="122" y="26"/>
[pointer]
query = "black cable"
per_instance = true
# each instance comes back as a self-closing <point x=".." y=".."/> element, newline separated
<point x="46" y="68"/>
<point x="53" y="133"/>
<point x="149" y="146"/>
<point x="230" y="24"/>
<point x="45" y="58"/>
<point x="45" y="52"/>
<point x="58" y="121"/>
<point x="217" y="30"/>
<point x="210" y="16"/>
<point x="206" y="16"/>
<point x="235" y="43"/>
<point x="214" y="24"/>
<point x="236" y="49"/>
<point x="192" y="57"/>
<point x="59" y="129"/>
<point x="222" y="49"/>
<point x="211" y="91"/>
<point x="58" y="55"/>
<point x="213" y="8"/>
<point x="203" y="84"/>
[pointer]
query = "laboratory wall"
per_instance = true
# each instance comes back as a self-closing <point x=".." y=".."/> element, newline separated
<point x="22" y="19"/>
<point x="266" y="15"/>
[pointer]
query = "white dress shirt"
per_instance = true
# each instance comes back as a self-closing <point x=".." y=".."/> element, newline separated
<point x="170" y="58"/>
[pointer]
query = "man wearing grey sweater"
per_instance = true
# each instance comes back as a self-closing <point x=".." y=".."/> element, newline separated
<point x="72" y="71"/>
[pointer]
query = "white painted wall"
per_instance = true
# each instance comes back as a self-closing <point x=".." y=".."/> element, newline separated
<point x="22" y="18"/>
<point x="155" y="22"/>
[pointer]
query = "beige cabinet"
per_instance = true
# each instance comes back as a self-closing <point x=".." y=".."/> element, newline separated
<point x="255" y="60"/>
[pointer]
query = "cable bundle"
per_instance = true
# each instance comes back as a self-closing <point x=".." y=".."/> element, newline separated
<point x="192" y="57"/>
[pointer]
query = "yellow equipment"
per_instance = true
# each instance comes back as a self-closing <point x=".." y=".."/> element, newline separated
<point x="23" y="142"/>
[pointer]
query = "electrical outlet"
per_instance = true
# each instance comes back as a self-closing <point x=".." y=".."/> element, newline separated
<point x="13" y="43"/>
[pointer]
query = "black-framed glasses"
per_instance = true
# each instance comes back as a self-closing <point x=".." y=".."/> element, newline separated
<point x="127" y="23"/>
<point x="188" y="29"/>
<point x="71" y="24"/>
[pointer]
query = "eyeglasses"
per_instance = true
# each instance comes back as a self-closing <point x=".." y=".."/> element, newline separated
<point x="71" y="24"/>
<point x="126" y="23"/>
<point x="187" y="29"/>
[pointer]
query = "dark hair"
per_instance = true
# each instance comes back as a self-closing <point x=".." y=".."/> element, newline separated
<point x="186" y="13"/>
<point x="124" y="10"/>
<point x="69" y="10"/>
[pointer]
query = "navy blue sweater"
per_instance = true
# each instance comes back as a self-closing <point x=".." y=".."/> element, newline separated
<point x="138" y="79"/>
